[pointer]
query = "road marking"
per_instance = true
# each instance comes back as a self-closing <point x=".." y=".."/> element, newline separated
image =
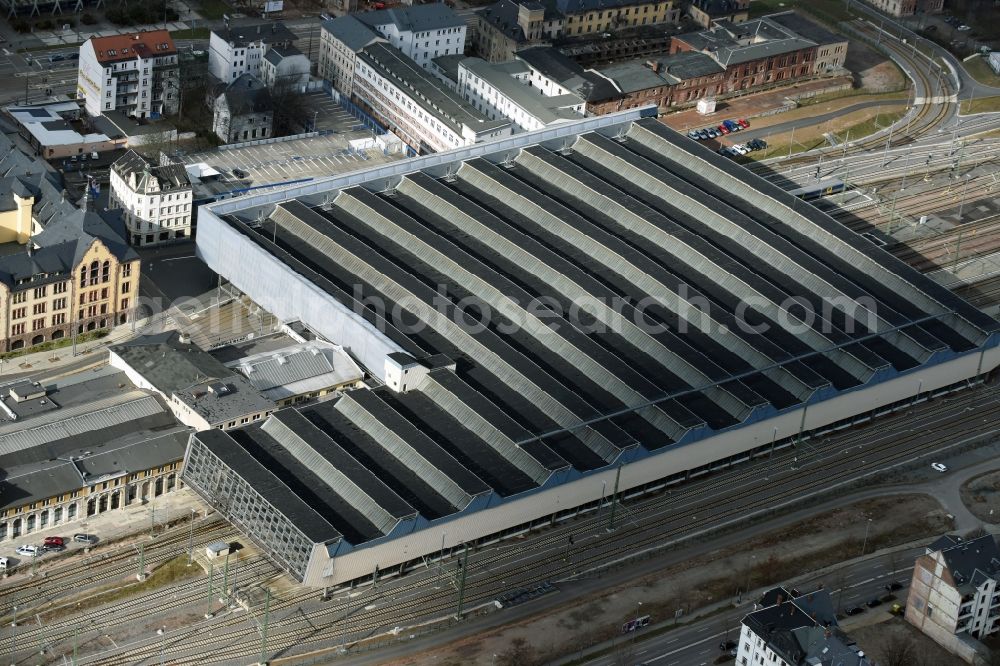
<point x="685" y="647"/>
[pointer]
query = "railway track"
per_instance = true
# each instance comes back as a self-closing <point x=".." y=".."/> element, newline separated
<point x="978" y="238"/>
<point x="647" y="522"/>
<point x="983" y="294"/>
<point x="923" y="122"/>
<point x="28" y="594"/>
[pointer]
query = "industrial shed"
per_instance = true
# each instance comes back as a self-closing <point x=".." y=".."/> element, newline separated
<point x="546" y="311"/>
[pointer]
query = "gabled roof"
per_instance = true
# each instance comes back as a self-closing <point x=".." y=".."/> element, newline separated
<point x="247" y="94"/>
<point x="562" y="69"/>
<point x="351" y="31"/>
<point x="268" y="33"/>
<point x="167" y="177"/>
<point x="973" y="561"/>
<point x="415" y="18"/>
<point x="118" y="48"/>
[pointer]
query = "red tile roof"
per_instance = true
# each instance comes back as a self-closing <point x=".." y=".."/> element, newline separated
<point x="116" y="48"/>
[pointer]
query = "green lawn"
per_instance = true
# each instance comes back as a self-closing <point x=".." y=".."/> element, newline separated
<point x="856" y="131"/>
<point x="867" y="127"/>
<point x="981" y="71"/>
<point x="191" y="33"/>
<point x="980" y="105"/>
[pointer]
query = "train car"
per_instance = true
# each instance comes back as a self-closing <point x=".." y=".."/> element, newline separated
<point x="823" y="189"/>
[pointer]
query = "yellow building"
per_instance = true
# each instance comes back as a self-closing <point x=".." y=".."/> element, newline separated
<point x="508" y="26"/>
<point x="75" y="274"/>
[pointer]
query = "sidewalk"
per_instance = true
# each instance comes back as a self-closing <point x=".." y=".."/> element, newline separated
<point x="134" y="520"/>
<point x="749" y="106"/>
<point x="34" y="363"/>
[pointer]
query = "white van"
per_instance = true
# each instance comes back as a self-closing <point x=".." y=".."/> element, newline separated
<point x="3" y="564"/>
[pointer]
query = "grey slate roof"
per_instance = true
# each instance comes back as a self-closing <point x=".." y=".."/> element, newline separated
<point x="247" y="94"/>
<point x="418" y="18"/>
<point x="351" y="31"/>
<point x="502" y="16"/>
<point x="733" y="43"/>
<point x="168" y="177"/>
<point x="562" y="69"/>
<point x="545" y="108"/>
<point x="269" y="33"/>
<point x="803" y="631"/>
<point x="972" y="561"/>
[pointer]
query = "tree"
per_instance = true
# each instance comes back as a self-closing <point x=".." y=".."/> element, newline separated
<point x="520" y="653"/>
<point x="898" y="650"/>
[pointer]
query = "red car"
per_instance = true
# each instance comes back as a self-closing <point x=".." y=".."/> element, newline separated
<point x="743" y="122"/>
<point x="53" y="541"/>
<point x="723" y="129"/>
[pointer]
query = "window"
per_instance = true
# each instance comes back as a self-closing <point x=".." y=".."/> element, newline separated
<point x="59" y="288"/>
<point x="20" y="297"/>
<point x="19" y="313"/>
<point x="125" y="287"/>
<point x="38" y="324"/>
<point x="17" y="329"/>
<point x="124" y="304"/>
<point x="126" y="270"/>
<point x="58" y="318"/>
<point x="38" y="308"/>
<point x="104" y="293"/>
<point x="59" y="304"/>
<point x="106" y="271"/>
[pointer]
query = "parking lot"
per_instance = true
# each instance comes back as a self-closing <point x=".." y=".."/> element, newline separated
<point x="284" y="161"/>
<point x="327" y="114"/>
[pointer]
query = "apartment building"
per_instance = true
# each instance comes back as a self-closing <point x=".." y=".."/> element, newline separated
<point x="786" y="630"/>
<point x="243" y="111"/>
<point x="504" y="91"/>
<point x="507" y="26"/>
<point x="420" y="32"/>
<point x="417" y="106"/>
<point x="156" y="200"/>
<point x="954" y="592"/>
<point x="237" y="50"/>
<point x="136" y="74"/>
<point x="285" y="69"/>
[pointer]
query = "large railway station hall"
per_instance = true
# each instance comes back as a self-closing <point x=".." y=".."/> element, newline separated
<point x="542" y="317"/>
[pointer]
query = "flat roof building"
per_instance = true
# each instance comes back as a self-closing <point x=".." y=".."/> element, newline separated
<point x="543" y="309"/>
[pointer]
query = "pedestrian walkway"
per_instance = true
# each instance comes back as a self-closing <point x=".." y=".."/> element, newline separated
<point x="45" y="361"/>
<point x="135" y="520"/>
<point x="57" y="37"/>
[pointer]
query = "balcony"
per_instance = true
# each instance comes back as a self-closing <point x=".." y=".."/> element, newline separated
<point x="965" y="610"/>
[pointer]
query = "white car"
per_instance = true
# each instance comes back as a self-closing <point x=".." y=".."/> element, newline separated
<point x="964" y="28"/>
<point x="939" y="467"/>
<point x="27" y="551"/>
<point x="741" y="149"/>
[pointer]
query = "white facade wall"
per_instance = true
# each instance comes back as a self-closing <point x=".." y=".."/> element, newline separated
<point x="489" y="99"/>
<point x="291" y="73"/>
<point x="404" y="115"/>
<point x="126" y="86"/>
<point x="753" y="651"/>
<point x="426" y="45"/>
<point x="227" y="61"/>
<point x="152" y="217"/>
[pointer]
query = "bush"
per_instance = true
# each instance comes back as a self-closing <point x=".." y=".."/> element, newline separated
<point x="88" y="19"/>
<point x="44" y="24"/>
<point x="20" y="25"/>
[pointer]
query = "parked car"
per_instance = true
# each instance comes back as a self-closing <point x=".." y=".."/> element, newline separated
<point x="727" y="645"/>
<point x="52" y="548"/>
<point x="741" y="149"/>
<point x="723" y="129"/>
<point x="893" y="586"/>
<point x="872" y="603"/>
<point x="703" y="134"/>
<point x="939" y="467"/>
<point x="732" y="125"/>
<point x="856" y="610"/>
<point x="85" y="538"/>
<point x="693" y="134"/>
<point x="744" y="123"/>
<point x="964" y="28"/>
<point x="3" y="563"/>
<point x="27" y="551"/>
<point x="54" y="541"/>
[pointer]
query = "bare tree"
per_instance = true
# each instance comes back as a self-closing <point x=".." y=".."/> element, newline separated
<point x="898" y="650"/>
